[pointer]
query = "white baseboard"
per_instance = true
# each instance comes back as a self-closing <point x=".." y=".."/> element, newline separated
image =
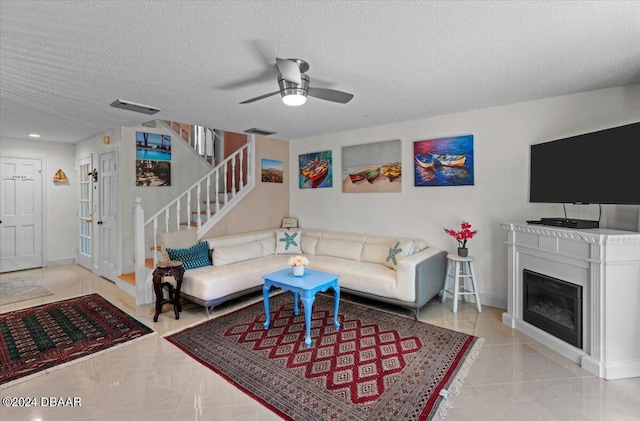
<point x="61" y="262"/>
<point x="493" y="301"/>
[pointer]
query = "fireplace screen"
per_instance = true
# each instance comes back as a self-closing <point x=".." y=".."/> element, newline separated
<point x="554" y="306"/>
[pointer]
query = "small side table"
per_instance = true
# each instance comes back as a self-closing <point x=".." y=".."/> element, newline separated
<point x="171" y="268"/>
<point x="460" y="268"/>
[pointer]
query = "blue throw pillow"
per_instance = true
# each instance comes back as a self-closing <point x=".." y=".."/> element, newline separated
<point x="193" y="257"/>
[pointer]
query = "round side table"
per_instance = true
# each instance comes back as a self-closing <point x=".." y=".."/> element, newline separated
<point x="460" y="269"/>
<point x="171" y="268"/>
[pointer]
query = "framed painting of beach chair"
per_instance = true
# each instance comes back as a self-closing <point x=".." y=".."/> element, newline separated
<point x="446" y="161"/>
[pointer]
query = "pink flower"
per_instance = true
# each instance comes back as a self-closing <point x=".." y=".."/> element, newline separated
<point x="463" y="235"/>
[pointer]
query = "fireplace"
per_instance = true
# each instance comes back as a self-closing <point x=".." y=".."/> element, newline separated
<point x="553" y="305"/>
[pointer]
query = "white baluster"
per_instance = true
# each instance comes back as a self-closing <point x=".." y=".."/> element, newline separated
<point x="225" y="182"/>
<point x="189" y="216"/>
<point x="199" y="223"/>
<point x="217" y="195"/>
<point x="166" y="220"/>
<point x="233" y="176"/>
<point x="208" y="197"/>
<point x="241" y="156"/>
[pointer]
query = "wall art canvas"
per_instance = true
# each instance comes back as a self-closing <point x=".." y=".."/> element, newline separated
<point x="153" y="159"/>
<point x="316" y="170"/>
<point x="446" y="161"/>
<point x="272" y="171"/>
<point x="153" y="173"/>
<point x="372" y="167"/>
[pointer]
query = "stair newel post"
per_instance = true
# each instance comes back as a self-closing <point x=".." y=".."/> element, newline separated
<point x="199" y="215"/>
<point x="208" y="197"/>
<point x="178" y="215"/>
<point x="138" y="217"/>
<point x="155" y="241"/>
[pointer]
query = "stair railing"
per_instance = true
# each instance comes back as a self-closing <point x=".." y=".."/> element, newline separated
<point x="211" y="190"/>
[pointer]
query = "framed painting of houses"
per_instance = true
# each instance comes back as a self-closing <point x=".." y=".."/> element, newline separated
<point x="272" y="171"/>
<point x="446" y="161"/>
<point x="316" y="170"/>
<point x="372" y="167"/>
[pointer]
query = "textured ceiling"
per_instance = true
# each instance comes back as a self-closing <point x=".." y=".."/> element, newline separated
<point x="63" y="63"/>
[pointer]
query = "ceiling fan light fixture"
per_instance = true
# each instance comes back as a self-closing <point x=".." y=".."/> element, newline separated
<point x="294" y="100"/>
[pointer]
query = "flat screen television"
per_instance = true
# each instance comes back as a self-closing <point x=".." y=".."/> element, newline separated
<point x="601" y="167"/>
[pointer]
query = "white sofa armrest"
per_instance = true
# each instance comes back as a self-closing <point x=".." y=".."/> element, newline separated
<point x="407" y="270"/>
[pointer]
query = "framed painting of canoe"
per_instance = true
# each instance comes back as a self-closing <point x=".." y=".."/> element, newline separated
<point x="447" y="161"/>
<point x="316" y="170"/>
<point x="372" y="167"/>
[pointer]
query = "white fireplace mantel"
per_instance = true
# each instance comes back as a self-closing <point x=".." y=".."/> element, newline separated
<point x="606" y="263"/>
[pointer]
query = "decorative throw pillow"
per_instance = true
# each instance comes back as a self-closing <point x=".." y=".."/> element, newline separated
<point x="193" y="257"/>
<point x="397" y="251"/>
<point x="175" y="240"/>
<point x="288" y="242"/>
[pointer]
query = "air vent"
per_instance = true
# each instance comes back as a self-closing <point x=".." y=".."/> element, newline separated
<point x="132" y="106"/>
<point x="259" y="131"/>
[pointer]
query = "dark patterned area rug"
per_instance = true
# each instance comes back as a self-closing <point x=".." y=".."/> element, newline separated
<point x="38" y="339"/>
<point x="378" y="366"/>
<point x="21" y="288"/>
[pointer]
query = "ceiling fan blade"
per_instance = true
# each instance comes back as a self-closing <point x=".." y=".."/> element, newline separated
<point x="259" y="97"/>
<point x="289" y="70"/>
<point x="330" y="95"/>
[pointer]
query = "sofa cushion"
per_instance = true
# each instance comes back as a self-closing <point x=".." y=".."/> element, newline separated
<point x="268" y="245"/>
<point x="339" y="248"/>
<point x="240" y="252"/>
<point x="288" y="242"/>
<point x="309" y="244"/>
<point x="176" y="240"/>
<point x="192" y="257"/>
<point x="400" y="249"/>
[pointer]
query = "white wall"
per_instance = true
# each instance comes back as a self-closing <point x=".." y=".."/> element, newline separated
<point x="60" y="200"/>
<point x="502" y="136"/>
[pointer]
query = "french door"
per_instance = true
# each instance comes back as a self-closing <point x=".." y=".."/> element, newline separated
<point x="85" y="212"/>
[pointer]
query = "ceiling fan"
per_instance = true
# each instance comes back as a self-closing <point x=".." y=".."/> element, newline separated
<point x="294" y="85"/>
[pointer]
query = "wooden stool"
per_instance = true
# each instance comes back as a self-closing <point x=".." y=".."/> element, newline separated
<point x="170" y="268"/>
<point x="460" y="267"/>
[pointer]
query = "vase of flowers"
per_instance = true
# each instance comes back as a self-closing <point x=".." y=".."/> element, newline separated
<point x="465" y="233"/>
<point x="297" y="264"/>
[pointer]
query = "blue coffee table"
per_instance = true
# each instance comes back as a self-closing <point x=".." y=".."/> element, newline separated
<point x="304" y="287"/>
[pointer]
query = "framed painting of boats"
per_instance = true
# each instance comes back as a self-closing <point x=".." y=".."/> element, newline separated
<point x="372" y="167"/>
<point x="316" y="170"/>
<point x="446" y="161"/>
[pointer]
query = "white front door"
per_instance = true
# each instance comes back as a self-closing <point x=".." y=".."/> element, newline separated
<point x="20" y="214"/>
<point x="85" y="212"/>
<point x="108" y="222"/>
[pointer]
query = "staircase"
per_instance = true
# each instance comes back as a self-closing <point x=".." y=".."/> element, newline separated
<point x="200" y="207"/>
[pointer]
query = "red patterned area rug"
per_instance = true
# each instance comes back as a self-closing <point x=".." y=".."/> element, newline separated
<point x="46" y="337"/>
<point x="378" y="366"/>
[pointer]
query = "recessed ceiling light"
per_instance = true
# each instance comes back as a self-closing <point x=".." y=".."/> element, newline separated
<point x="34" y="135"/>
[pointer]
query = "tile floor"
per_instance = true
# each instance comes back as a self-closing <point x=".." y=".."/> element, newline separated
<point x="513" y="378"/>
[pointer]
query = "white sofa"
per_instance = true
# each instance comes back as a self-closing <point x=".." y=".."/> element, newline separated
<point x="401" y="271"/>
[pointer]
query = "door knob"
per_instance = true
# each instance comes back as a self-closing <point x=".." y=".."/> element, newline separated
<point x="89" y="220"/>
